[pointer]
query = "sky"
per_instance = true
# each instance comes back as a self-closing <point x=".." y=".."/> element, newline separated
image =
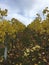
<point x="24" y="10"/>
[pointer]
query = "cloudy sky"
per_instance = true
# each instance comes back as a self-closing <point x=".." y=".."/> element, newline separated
<point x="24" y="10"/>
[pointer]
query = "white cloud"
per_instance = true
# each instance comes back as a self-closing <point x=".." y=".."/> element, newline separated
<point x="24" y="10"/>
<point x="21" y="18"/>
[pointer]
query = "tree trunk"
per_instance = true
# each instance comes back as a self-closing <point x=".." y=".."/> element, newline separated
<point x="5" y="53"/>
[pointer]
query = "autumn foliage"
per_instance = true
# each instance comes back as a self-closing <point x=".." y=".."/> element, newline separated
<point x="25" y="45"/>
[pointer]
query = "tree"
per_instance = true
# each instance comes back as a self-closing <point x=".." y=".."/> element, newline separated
<point x="16" y="24"/>
<point x="3" y="13"/>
